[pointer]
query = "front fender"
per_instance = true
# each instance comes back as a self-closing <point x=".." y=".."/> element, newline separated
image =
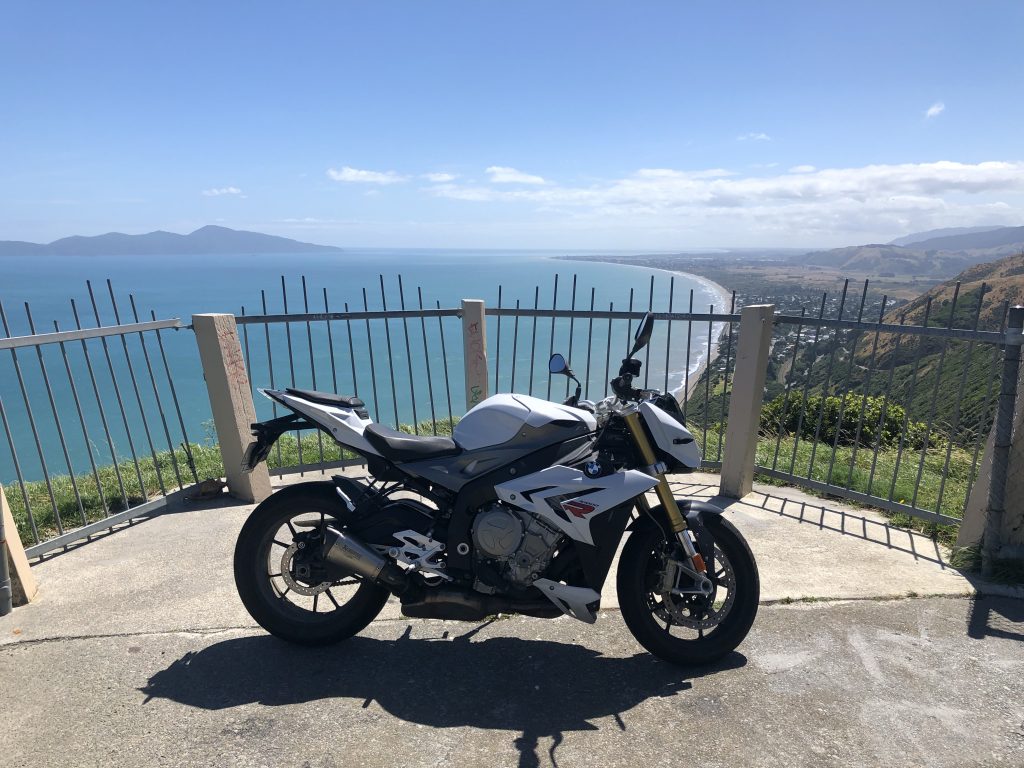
<point x="694" y="511"/>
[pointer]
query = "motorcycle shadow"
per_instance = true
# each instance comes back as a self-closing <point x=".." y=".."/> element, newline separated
<point x="538" y="688"/>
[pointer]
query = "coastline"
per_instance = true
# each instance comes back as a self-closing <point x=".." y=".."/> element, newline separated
<point x="721" y="304"/>
<point x="717" y="331"/>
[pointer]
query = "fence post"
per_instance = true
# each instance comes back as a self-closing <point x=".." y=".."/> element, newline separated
<point x="474" y="347"/>
<point x="231" y="402"/>
<point x="745" y="400"/>
<point x="17" y="584"/>
<point x="992" y="540"/>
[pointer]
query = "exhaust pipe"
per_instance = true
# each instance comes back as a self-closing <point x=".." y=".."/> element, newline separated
<point x="345" y="551"/>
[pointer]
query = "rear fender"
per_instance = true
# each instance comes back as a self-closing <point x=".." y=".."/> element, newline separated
<point x="327" y="490"/>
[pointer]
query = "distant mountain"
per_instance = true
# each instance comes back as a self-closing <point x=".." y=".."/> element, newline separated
<point x="918" y="237"/>
<point x="889" y="260"/>
<point x="210" y="239"/>
<point x="1003" y="281"/>
<point x="1011" y="237"/>
<point x="934" y="256"/>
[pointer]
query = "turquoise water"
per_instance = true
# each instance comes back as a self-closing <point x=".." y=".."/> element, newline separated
<point x="408" y="384"/>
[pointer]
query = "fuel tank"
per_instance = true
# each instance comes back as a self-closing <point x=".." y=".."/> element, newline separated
<point x="502" y="418"/>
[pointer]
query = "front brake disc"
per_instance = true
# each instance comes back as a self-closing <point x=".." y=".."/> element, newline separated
<point x="700" y="611"/>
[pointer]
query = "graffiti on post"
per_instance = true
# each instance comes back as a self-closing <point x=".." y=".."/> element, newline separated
<point x="475" y="350"/>
<point x="476" y="361"/>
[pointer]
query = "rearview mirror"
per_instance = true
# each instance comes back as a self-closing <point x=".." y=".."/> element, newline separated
<point x="642" y="337"/>
<point x="557" y="364"/>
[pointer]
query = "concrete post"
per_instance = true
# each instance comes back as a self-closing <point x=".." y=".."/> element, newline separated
<point x="972" y="527"/>
<point x="993" y="535"/>
<point x="231" y="401"/>
<point x="21" y="586"/>
<point x="745" y="401"/>
<point x="474" y="347"/>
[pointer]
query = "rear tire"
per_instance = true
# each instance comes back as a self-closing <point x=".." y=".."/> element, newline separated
<point x="641" y="605"/>
<point x="255" y="558"/>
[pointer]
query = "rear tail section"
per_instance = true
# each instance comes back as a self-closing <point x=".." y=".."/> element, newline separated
<point x="343" y="418"/>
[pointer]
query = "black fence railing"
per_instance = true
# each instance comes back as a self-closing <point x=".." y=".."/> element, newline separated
<point x="404" y="358"/>
<point x="93" y="426"/>
<point x="885" y="408"/>
<point x="401" y="357"/>
<point x="890" y="414"/>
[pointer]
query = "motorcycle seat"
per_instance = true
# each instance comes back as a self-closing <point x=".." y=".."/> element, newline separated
<point x="326" y="398"/>
<point x="398" y="446"/>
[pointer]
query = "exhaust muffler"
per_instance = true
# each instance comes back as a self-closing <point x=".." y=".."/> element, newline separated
<point x="345" y="551"/>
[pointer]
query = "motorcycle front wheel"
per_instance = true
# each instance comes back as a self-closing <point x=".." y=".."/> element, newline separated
<point x="679" y="627"/>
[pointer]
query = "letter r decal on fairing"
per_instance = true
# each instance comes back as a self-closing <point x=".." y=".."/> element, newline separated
<point x="578" y="508"/>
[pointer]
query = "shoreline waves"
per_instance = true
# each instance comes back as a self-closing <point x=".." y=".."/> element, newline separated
<point x="721" y="306"/>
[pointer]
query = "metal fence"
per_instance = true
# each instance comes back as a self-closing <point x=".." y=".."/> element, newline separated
<point x="405" y="358"/>
<point x="883" y="411"/>
<point x="889" y="414"/>
<point x="94" y="433"/>
<point x="595" y="340"/>
<point x="405" y="363"/>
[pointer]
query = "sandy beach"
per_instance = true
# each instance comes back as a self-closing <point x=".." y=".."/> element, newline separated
<point x="716" y="296"/>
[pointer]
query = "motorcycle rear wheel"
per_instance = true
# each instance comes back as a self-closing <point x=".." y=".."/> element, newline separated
<point x="278" y="601"/>
<point x="683" y="629"/>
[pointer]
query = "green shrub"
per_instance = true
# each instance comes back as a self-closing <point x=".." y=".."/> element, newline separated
<point x="882" y="422"/>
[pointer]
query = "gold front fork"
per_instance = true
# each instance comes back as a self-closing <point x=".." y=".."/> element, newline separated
<point x="664" y="491"/>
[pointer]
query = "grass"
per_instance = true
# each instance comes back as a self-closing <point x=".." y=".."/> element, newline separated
<point x="96" y="506"/>
<point x="877" y="481"/>
<point x="1005" y="570"/>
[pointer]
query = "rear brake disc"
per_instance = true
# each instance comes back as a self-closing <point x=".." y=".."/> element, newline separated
<point x="287" y="560"/>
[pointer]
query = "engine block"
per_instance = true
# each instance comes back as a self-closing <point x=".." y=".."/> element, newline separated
<point x="518" y="545"/>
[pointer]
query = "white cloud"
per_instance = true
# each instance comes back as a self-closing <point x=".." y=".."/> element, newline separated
<point x="504" y="175"/>
<point x="439" y="178"/>
<point x="935" y="110"/>
<point x="804" y="204"/>
<point x="355" y="175"/>
<point x="754" y="136"/>
<point x="219" y="191"/>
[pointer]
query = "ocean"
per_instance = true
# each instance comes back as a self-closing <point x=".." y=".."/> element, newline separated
<point x="181" y="286"/>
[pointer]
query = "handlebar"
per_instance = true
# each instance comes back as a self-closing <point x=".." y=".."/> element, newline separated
<point x="622" y="385"/>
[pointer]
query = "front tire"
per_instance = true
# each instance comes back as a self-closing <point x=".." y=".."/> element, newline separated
<point x="335" y="610"/>
<point x="680" y="629"/>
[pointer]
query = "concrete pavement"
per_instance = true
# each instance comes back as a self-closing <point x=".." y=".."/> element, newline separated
<point x="138" y="652"/>
<point x="860" y="683"/>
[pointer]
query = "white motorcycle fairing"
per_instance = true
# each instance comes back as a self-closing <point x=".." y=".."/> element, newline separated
<point x="671" y="436"/>
<point x="345" y="425"/>
<point x="567" y="499"/>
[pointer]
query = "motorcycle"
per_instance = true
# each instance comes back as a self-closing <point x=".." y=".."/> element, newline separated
<point x="521" y="511"/>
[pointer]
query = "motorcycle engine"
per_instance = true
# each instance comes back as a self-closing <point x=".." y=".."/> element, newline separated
<point x="511" y="545"/>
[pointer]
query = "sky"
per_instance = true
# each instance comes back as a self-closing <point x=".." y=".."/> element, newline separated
<point x="593" y="125"/>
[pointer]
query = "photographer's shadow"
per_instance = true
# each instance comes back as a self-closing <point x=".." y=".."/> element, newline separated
<point x="537" y="688"/>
